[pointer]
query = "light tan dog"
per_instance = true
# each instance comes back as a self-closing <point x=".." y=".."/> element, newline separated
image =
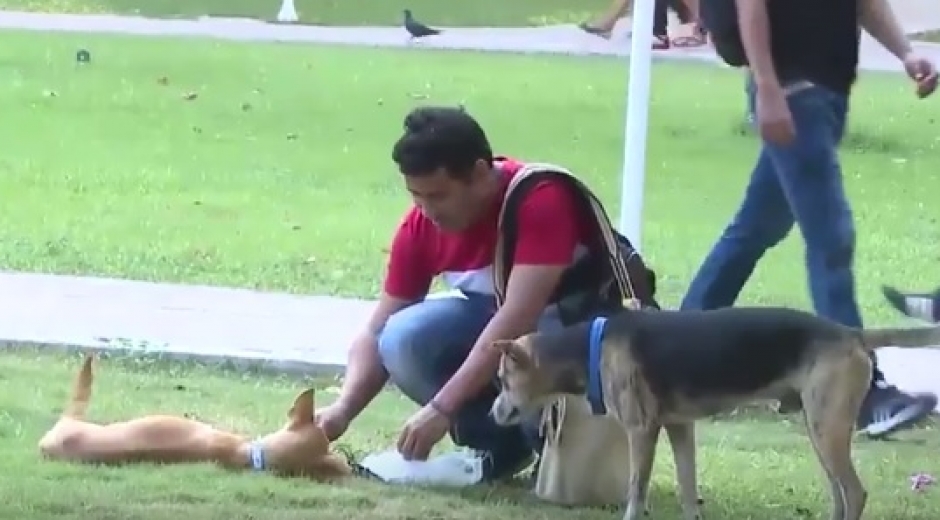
<point x="656" y="370"/>
<point x="299" y="449"/>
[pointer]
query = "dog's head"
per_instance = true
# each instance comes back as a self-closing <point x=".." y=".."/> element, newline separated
<point x="533" y="372"/>
<point x="301" y="448"/>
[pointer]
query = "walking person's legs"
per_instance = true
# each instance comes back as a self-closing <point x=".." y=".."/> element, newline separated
<point x="661" y="24"/>
<point x="604" y="25"/>
<point x="762" y="221"/>
<point x="811" y="177"/>
<point x="699" y="36"/>
<point x="803" y="181"/>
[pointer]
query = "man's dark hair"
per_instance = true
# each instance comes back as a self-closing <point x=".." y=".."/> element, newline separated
<point x="441" y="137"/>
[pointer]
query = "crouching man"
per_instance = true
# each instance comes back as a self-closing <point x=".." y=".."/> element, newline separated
<point x="435" y="349"/>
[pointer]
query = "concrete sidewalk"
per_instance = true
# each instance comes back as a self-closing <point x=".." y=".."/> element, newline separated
<point x="559" y="39"/>
<point x="279" y="331"/>
<point x="283" y="332"/>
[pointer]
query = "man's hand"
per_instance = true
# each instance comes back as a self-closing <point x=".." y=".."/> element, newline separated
<point x="422" y="431"/>
<point x="923" y="72"/>
<point x="333" y="420"/>
<point x="773" y="115"/>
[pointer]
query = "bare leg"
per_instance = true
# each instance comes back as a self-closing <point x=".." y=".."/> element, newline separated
<point x="617" y="10"/>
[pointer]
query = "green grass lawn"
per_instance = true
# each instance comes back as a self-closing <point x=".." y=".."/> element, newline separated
<point x="481" y="13"/>
<point x="750" y="468"/>
<point x="277" y="175"/>
<point x="268" y="166"/>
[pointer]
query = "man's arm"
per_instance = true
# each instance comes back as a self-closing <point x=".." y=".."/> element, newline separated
<point x="365" y="375"/>
<point x="547" y="238"/>
<point x="877" y="18"/>
<point x="755" y="36"/>
<point x="407" y="280"/>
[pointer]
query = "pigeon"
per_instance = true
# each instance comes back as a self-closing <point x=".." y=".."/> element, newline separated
<point x="417" y="29"/>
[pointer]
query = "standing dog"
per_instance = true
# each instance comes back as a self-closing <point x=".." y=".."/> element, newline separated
<point x="656" y="369"/>
<point x="298" y="449"/>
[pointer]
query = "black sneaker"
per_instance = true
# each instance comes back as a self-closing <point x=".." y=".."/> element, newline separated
<point x="887" y="410"/>
<point x="916" y="305"/>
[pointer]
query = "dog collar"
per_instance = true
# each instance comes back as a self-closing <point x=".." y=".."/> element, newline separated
<point x="595" y="393"/>
<point x="256" y="456"/>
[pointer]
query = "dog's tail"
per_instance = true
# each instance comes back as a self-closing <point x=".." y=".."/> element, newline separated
<point x="81" y="390"/>
<point x="914" y="337"/>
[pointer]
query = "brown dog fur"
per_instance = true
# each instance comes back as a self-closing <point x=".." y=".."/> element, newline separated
<point x="299" y="449"/>
<point x="802" y="360"/>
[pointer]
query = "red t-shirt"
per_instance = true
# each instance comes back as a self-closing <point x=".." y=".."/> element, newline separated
<point x="551" y="231"/>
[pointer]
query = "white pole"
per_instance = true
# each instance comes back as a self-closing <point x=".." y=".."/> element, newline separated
<point x="288" y="12"/>
<point x="637" y="122"/>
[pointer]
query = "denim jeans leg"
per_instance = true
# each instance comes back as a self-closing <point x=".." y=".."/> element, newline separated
<point x="811" y="177"/>
<point x="761" y="222"/>
<point x="423" y="345"/>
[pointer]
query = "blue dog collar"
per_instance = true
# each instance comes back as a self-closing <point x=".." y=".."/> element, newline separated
<point x="595" y="393"/>
<point x="256" y="454"/>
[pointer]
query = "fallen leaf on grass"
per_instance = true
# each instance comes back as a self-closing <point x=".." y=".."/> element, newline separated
<point x="189" y="96"/>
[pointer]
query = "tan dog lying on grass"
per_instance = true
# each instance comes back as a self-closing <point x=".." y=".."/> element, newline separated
<point x="299" y="449"/>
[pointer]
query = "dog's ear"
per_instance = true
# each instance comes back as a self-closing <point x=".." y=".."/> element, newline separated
<point x="303" y="409"/>
<point x="514" y="351"/>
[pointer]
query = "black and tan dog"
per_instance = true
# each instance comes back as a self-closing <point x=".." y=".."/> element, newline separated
<point x="665" y="369"/>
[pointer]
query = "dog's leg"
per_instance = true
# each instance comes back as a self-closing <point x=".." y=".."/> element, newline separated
<point x="682" y="440"/>
<point x="642" y="453"/>
<point x="831" y="403"/>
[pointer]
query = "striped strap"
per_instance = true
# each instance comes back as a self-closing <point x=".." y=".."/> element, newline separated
<point x="615" y="255"/>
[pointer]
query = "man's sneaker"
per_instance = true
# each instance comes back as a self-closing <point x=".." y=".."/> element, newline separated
<point x="887" y="410"/>
<point x="916" y="305"/>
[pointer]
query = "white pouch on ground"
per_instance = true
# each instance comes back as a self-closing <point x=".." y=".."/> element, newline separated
<point x="586" y="458"/>
<point x="455" y="469"/>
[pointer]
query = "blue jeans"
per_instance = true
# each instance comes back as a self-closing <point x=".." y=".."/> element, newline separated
<point x="423" y="345"/>
<point x="799" y="183"/>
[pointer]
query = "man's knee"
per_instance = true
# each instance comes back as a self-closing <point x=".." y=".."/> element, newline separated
<point x="422" y="345"/>
<point x="398" y="348"/>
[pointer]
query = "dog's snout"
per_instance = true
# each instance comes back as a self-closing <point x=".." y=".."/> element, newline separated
<point x="504" y="413"/>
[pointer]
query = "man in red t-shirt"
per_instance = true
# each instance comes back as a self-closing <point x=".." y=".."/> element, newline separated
<point x="435" y="349"/>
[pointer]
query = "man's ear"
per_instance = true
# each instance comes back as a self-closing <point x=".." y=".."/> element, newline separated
<point x="303" y="409"/>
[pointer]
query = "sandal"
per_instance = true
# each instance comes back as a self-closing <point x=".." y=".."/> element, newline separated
<point x="596" y="31"/>
<point x="660" y="43"/>
<point x="698" y="38"/>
